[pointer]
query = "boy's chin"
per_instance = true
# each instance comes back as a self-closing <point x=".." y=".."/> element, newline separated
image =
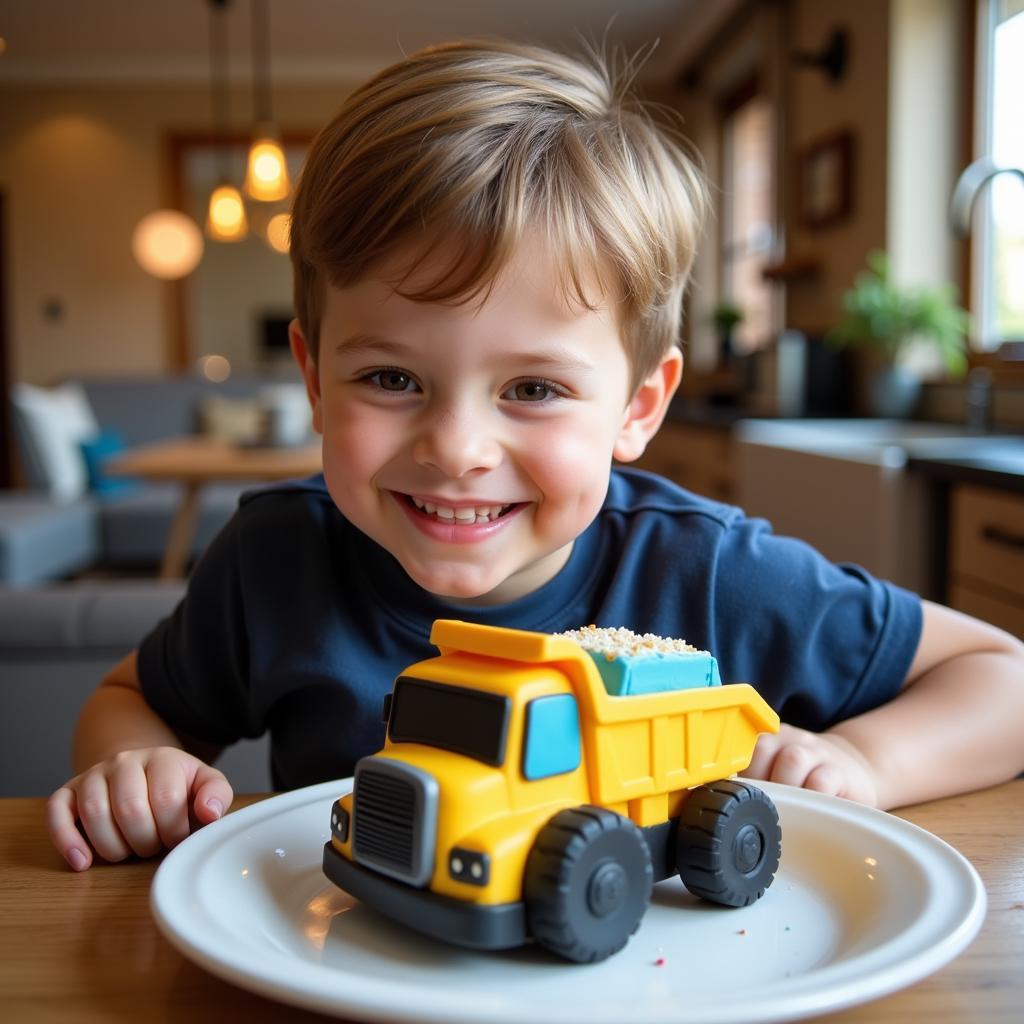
<point x="458" y="586"/>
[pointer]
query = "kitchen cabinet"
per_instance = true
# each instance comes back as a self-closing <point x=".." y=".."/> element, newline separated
<point x="695" y="457"/>
<point x="986" y="555"/>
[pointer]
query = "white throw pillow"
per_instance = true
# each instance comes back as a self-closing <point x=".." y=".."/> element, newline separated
<point x="54" y="422"/>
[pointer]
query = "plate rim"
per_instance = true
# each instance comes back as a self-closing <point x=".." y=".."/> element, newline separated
<point x="374" y="1000"/>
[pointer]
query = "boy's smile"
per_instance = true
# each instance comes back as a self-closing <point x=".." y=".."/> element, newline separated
<point x="462" y="523"/>
<point x="473" y="441"/>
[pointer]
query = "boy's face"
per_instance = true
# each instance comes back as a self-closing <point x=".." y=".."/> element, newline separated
<point x="474" y="442"/>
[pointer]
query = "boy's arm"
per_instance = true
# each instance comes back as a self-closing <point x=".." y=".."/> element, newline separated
<point x="116" y="717"/>
<point x="137" y="787"/>
<point x="955" y="725"/>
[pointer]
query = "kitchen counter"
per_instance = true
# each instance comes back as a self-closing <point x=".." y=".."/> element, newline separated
<point x="1003" y="468"/>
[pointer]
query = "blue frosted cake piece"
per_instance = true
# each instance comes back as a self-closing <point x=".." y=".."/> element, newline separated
<point x="630" y="664"/>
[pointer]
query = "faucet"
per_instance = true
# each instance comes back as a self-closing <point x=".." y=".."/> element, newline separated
<point x="978" y="396"/>
<point x="968" y="187"/>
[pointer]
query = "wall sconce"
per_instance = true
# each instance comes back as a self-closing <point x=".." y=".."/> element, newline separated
<point x="831" y="59"/>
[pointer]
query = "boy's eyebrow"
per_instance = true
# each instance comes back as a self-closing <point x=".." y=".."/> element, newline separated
<point x="371" y="342"/>
<point x="555" y="357"/>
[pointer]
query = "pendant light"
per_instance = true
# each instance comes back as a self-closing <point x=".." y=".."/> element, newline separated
<point x="226" y="219"/>
<point x="266" y="176"/>
<point x="167" y="244"/>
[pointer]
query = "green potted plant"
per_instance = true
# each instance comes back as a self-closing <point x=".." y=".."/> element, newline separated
<point x="725" y="318"/>
<point x="889" y="318"/>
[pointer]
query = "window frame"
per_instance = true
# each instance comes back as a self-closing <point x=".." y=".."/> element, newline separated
<point x="749" y="88"/>
<point x="979" y="264"/>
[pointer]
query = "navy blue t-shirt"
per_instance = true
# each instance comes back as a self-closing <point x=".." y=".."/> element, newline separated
<point x="297" y="623"/>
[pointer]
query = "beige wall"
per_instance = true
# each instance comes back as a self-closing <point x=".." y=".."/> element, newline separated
<point x="80" y="166"/>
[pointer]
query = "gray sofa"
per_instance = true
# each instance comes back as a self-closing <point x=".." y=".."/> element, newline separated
<point x="56" y="643"/>
<point x="44" y="539"/>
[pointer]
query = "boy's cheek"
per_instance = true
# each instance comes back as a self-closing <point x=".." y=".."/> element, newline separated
<point x="573" y="457"/>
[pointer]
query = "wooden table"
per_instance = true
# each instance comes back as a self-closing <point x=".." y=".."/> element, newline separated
<point x="84" y="948"/>
<point x="196" y="461"/>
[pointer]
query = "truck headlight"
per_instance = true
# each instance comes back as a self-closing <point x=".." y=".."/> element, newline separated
<point x="469" y="866"/>
<point x="339" y="822"/>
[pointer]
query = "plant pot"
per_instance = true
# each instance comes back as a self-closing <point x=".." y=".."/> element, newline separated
<point x="893" y="392"/>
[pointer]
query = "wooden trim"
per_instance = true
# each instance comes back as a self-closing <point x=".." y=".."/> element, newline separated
<point x="6" y="445"/>
<point x="176" y="146"/>
<point x="969" y="42"/>
<point x="738" y="97"/>
<point x="690" y="77"/>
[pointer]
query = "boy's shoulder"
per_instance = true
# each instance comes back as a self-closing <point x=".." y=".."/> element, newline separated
<point x="287" y="506"/>
<point x="295" y="494"/>
<point x="636" y="493"/>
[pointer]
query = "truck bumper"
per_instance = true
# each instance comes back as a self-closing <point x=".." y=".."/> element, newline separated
<point x="492" y="926"/>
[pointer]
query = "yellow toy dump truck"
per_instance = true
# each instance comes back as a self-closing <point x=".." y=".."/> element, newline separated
<point x="531" y="789"/>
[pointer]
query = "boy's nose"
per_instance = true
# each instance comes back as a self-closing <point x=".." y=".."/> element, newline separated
<point x="456" y="445"/>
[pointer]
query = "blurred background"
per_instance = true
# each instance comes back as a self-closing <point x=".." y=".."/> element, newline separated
<point x="854" y="334"/>
<point x="858" y="295"/>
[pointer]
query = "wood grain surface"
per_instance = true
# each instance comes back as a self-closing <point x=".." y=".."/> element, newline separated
<point x="84" y="948"/>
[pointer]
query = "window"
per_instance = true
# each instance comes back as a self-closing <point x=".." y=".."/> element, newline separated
<point x="748" y="213"/>
<point x="469" y="722"/>
<point x="553" y="744"/>
<point x="997" y="273"/>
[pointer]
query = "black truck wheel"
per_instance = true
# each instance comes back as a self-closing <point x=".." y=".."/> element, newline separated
<point x="728" y="843"/>
<point x="587" y="884"/>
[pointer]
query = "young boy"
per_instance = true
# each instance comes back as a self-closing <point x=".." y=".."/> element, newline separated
<point x="490" y="245"/>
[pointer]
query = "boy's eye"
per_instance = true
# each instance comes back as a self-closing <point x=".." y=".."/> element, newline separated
<point x="531" y="391"/>
<point x="391" y="380"/>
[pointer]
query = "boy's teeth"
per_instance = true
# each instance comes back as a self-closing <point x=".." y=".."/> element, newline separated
<point x="465" y="515"/>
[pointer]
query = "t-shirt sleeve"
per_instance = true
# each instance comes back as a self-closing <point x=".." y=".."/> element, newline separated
<point x="821" y="641"/>
<point x="194" y="666"/>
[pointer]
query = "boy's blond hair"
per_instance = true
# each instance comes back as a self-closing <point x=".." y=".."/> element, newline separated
<point x="477" y="144"/>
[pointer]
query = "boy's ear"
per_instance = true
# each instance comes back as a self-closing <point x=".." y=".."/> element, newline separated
<point x="648" y="407"/>
<point x="307" y="364"/>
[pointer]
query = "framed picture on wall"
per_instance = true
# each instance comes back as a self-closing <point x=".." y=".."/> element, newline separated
<point x="825" y="181"/>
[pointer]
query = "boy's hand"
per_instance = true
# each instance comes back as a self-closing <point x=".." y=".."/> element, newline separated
<point x="824" y="762"/>
<point x="140" y="801"/>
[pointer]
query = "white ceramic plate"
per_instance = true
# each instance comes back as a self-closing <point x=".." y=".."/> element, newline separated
<point x="863" y="904"/>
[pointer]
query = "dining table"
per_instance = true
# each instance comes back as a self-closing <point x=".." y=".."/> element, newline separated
<point x="193" y="463"/>
<point x="85" y="947"/>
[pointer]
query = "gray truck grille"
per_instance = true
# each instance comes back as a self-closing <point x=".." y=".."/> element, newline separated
<point x="394" y="819"/>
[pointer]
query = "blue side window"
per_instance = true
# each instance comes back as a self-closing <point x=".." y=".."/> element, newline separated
<point x="552" y="737"/>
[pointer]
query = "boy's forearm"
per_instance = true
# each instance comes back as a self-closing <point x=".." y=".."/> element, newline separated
<point x="956" y="729"/>
<point x="117" y="718"/>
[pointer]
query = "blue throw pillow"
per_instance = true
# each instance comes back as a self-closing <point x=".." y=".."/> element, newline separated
<point x="96" y="450"/>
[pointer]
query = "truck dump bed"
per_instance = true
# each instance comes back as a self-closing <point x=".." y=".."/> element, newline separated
<point x="637" y="746"/>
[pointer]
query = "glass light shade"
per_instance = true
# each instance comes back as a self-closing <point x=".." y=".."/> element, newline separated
<point x="167" y="244"/>
<point x="266" y="175"/>
<point x="279" y="231"/>
<point x="225" y="219"/>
